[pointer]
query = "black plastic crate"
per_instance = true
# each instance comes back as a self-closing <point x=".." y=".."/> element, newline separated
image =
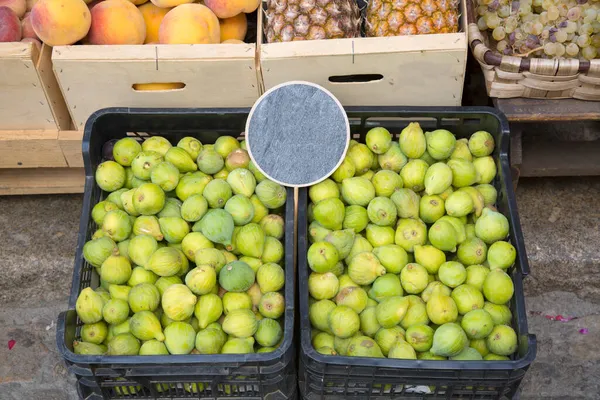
<point x="339" y="377"/>
<point x="236" y="376"/>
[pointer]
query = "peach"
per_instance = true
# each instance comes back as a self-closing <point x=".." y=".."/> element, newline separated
<point x="153" y="16"/>
<point x="117" y="22"/>
<point x="18" y="6"/>
<point x="30" y="3"/>
<point x="60" y="22"/>
<point x="138" y="2"/>
<point x="170" y="3"/>
<point x="27" y="28"/>
<point x="234" y="27"/>
<point x="233" y="41"/>
<point x="231" y="8"/>
<point x="10" y="26"/>
<point x="189" y="24"/>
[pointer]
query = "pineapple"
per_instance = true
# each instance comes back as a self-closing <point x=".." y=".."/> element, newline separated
<point x="411" y="17"/>
<point x="289" y="20"/>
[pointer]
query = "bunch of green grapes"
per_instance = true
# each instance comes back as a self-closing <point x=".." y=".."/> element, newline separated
<point x="543" y="28"/>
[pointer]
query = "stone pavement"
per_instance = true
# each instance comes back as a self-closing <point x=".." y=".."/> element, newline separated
<point x="560" y="219"/>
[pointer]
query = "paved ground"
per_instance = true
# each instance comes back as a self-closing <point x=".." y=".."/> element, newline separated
<point x="560" y="219"/>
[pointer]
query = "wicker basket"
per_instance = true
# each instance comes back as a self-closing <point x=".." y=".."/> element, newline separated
<point x="534" y="78"/>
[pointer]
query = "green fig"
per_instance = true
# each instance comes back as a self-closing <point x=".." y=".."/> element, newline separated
<point x="324" y="190"/>
<point x="363" y="346"/>
<point x="156" y="143"/>
<point x="270" y="277"/>
<point x="442" y="235"/>
<point x="481" y="144"/>
<point x="191" y="184"/>
<point x="124" y="344"/>
<point x="96" y="251"/>
<point x="381" y="211"/>
<point x="115" y="198"/>
<point x="94" y="333"/>
<point x="145" y="326"/>
<point x="242" y="182"/>
<point x="342" y="240"/>
<point x="238" y="346"/>
<point x="123" y="327"/>
<point x="211" y="257"/>
<point x="165" y="261"/>
<point x="236" y="277"/>
<point x="89" y="306"/>
<point x="115" y="311"/>
<point x="414" y="278"/>
<point x="343" y="321"/>
<point x="141" y="248"/>
<point x="143" y="297"/>
<point x="386" y="183"/>
<point x="387" y="337"/>
<point x="501" y="255"/>
<point x="467" y="298"/>
<point x="217" y="225"/>
<point x="153" y="348"/>
<point x="201" y="280"/>
<point x="269" y="332"/>
<point x="353" y="297"/>
<point x="431" y="208"/>
<point x="393" y="159"/>
<point x="386" y="286"/>
<point x="380" y="235"/>
<point x="144" y="162"/>
<point x="323" y="286"/>
<point x="237" y="159"/>
<point x="250" y="240"/>
<point x="362" y="157"/>
<point x="174" y="229"/>
<point x="236" y="301"/>
<point x="476" y="276"/>
<point x="407" y="203"/>
<point x="416" y="313"/>
<point x="449" y="340"/>
<point x="427" y="355"/>
<point x="488" y="192"/>
<point x="402" y="350"/>
<point x="412" y="141"/>
<point x="360" y="245"/>
<point x="461" y="150"/>
<point x="364" y="268"/>
<point x="378" y="140"/>
<point x="452" y="274"/>
<point x="410" y="232"/>
<point x="459" y="204"/>
<point x="413" y="174"/>
<point x="180" y="338"/>
<point x="498" y="287"/>
<point x="480" y="345"/>
<point x="318" y="314"/>
<point x="392" y="257"/>
<point x="463" y="172"/>
<point x="435" y="288"/>
<point x="208" y="309"/>
<point x="459" y="227"/>
<point x="273" y="225"/>
<point x="240" y="323"/>
<point x="88" y="349"/>
<point x="495" y="357"/>
<point x="420" y="337"/>
<point x="441" y="309"/>
<point x="258" y="175"/>
<point x="472" y="251"/>
<point x="323" y="339"/>
<point x="427" y="158"/>
<point x="101" y="209"/>
<point x="181" y="159"/>
<point x="477" y="324"/>
<point x="391" y="310"/>
<point x="330" y="213"/>
<point x="148" y="225"/>
<point x="165" y="175"/>
<point x="120" y="292"/>
<point x="260" y="210"/>
<point x="217" y="192"/>
<point x="502" y="340"/>
<point x="271" y="194"/>
<point x="429" y="257"/>
<point x="191" y="145"/>
<point x="115" y="270"/>
<point x="358" y="191"/>
<point x="491" y="227"/>
<point x="501" y="314"/>
<point x="368" y="322"/>
<point x="468" y="354"/>
<point x="148" y="199"/>
<point x="110" y="176"/>
<point x="194" y="242"/>
<point x="486" y="169"/>
<point x="272" y="305"/>
<point x="440" y="143"/>
<point x="178" y="302"/>
<point x="346" y="170"/>
<point x="124" y="249"/>
<point x="355" y="218"/>
<point x="225" y="145"/>
<point x="322" y="257"/>
<point x="210" y="341"/>
<point x="117" y="225"/>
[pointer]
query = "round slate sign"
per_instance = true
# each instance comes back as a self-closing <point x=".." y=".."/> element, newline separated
<point x="297" y="134"/>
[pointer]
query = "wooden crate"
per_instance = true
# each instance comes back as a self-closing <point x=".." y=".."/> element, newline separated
<point x="30" y="97"/>
<point x="95" y="77"/>
<point x="41" y="161"/>
<point x="404" y="70"/>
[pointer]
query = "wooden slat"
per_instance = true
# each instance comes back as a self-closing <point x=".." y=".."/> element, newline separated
<point x="41" y="181"/>
<point x="95" y="77"/>
<point x="70" y="143"/>
<point x="58" y="107"/>
<point x="551" y="158"/>
<point x="534" y="110"/>
<point x="30" y="149"/>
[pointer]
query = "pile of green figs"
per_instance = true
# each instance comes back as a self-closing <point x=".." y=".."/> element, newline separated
<point x="189" y="252"/>
<point x="408" y="254"/>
